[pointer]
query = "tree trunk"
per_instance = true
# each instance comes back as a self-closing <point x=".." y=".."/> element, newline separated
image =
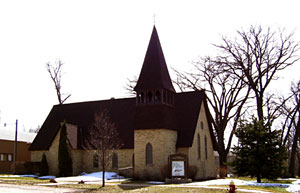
<point x="294" y="150"/>
<point x="258" y="178"/>
<point x="223" y="166"/>
<point x="299" y="165"/>
<point x="293" y="155"/>
<point x="260" y="112"/>
<point x="103" y="169"/>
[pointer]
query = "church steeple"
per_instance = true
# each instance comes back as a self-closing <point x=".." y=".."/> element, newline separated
<point x="154" y="85"/>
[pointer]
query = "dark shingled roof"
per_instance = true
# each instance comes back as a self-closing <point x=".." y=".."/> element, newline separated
<point x="154" y="73"/>
<point x="122" y="113"/>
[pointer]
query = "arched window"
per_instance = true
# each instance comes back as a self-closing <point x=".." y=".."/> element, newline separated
<point x="142" y="98"/>
<point x="201" y="125"/>
<point x="115" y="161"/>
<point x="96" y="160"/>
<point x="157" y="96"/>
<point x="205" y="144"/>
<point x="132" y="160"/>
<point x="198" y="147"/>
<point x="149" y="154"/>
<point x="172" y="99"/>
<point x="168" y="98"/>
<point x="149" y="95"/>
<point x="164" y="96"/>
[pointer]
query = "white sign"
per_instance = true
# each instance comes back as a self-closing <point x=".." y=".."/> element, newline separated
<point x="177" y="168"/>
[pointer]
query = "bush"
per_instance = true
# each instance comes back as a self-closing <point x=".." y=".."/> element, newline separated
<point x="64" y="158"/>
<point x="44" y="169"/>
<point x="164" y="172"/>
<point x="23" y="167"/>
<point x="192" y="171"/>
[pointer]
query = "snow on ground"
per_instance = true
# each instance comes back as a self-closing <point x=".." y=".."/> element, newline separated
<point x="294" y="187"/>
<point x="16" y="176"/>
<point x="46" y="177"/>
<point x="91" y="177"/>
<point x="96" y="177"/>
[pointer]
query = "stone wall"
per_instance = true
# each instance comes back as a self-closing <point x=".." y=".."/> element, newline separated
<point x="206" y="167"/>
<point x="125" y="157"/>
<point x="163" y="143"/>
<point x="51" y="155"/>
<point x="82" y="160"/>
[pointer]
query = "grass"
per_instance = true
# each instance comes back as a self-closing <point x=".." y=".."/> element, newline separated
<point x="22" y="180"/>
<point x="143" y="189"/>
<point x="131" y="186"/>
<point x="269" y="189"/>
<point x="264" y="180"/>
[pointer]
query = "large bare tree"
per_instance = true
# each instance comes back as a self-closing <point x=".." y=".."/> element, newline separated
<point x="244" y="66"/>
<point x="105" y="138"/>
<point x="256" y="57"/>
<point x="290" y="112"/>
<point x="55" y="72"/>
<point x="227" y="96"/>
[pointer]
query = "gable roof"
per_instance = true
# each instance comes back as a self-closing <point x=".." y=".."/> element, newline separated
<point x="122" y="113"/>
<point x="154" y="73"/>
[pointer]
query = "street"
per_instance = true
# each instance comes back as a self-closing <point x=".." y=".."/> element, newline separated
<point x="11" y="188"/>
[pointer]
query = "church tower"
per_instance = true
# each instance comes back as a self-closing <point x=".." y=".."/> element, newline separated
<point x="155" y="132"/>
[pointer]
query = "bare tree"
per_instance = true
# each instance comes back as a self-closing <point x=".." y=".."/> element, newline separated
<point x="227" y="96"/>
<point x="55" y="72"/>
<point x="36" y="130"/>
<point x="256" y="57"/>
<point x="129" y="87"/>
<point x="290" y="112"/>
<point x="105" y="139"/>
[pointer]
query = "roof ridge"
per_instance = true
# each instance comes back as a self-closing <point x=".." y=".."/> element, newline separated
<point x="93" y="101"/>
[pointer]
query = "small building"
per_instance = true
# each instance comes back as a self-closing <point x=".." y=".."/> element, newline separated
<point x="155" y="124"/>
<point x="7" y="142"/>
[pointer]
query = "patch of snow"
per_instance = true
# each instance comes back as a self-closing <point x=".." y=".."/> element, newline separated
<point x="91" y="177"/>
<point x="55" y="184"/>
<point x="108" y="175"/>
<point x="28" y="175"/>
<point x="18" y="176"/>
<point x="297" y="182"/>
<point x="46" y="177"/>
<point x="77" y="179"/>
<point x="295" y="187"/>
<point x="220" y="182"/>
<point x="155" y="182"/>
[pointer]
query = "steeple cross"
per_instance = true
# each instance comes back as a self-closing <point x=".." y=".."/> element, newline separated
<point x="154" y="16"/>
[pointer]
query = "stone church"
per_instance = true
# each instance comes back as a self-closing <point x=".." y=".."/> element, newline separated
<point x="155" y="124"/>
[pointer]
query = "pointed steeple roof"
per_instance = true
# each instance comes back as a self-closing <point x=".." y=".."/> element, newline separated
<point x="154" y="73"/>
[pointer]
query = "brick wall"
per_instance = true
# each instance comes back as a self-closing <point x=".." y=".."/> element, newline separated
<point x="7" y="153"/>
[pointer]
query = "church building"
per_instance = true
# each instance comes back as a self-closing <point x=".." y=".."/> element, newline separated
<point x="155" y="124"/>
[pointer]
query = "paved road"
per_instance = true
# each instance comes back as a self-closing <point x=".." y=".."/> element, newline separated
<point x="11" y="188"/>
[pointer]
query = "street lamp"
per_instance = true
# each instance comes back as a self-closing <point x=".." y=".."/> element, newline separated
<point x="15" y="145"/>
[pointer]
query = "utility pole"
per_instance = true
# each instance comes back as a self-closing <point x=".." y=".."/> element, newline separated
<point x="15" y="147"/>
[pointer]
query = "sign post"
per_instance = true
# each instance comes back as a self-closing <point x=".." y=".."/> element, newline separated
<point x="178" y="169"/>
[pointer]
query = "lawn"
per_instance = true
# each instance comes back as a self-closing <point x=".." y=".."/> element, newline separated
<point x="139" y="186"/>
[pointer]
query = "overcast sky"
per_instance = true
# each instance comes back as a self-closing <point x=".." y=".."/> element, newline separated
<point x="102" y="43"/>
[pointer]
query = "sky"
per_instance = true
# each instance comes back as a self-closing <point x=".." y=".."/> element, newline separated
<point x="103" y="43"/>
